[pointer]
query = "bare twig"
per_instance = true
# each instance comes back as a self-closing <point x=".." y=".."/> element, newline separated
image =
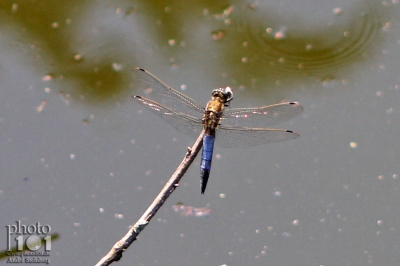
<point x="115" y="254"/>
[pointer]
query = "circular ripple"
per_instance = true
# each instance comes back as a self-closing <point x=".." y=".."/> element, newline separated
<point x="287" y="50"/>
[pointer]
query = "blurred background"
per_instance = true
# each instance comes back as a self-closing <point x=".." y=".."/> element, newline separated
<point x="77" y="153"/>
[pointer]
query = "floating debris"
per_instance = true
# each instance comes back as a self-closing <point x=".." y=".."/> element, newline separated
<point x="218" y="35"/>
<point x="191" y="211"/>
<point x="40" y="108"/>
<point x="47" y="77"/>
<point x="78" y="57"/>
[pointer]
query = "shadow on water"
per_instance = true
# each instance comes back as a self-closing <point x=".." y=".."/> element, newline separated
<point x="253" y="43"/>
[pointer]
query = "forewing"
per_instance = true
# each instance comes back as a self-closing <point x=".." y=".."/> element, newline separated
<point x="160" y="92"/>
<point x="260" y="117"/>
<point x="184" y="123"/>
<point x="229" y="137"/>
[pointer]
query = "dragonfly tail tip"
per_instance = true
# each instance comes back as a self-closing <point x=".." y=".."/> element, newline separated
<point x="204" y="179"/>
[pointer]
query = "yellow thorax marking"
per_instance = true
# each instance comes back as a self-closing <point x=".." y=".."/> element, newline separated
<point x="213" y="113"/>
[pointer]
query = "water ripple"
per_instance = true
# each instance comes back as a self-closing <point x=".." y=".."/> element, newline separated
<point x="299" y="49"/>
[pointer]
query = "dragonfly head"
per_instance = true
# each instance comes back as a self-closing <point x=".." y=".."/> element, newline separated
<point x="226" y="94"/>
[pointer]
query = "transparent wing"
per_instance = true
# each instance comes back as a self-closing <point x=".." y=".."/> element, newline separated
<point x="229" y="137"/>
<point x="160" y="92"/>
<point x="259" y="117"/>
<point x="182" y="122"/>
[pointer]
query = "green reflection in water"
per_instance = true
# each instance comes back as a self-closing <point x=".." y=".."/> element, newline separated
<point x="251" y="41"/>
<point x="50" y="27"/>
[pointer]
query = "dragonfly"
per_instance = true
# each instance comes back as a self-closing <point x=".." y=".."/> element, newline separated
<point x="233" y="127"/>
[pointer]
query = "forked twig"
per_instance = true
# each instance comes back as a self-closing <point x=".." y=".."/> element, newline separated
<point x="115" y="254"/>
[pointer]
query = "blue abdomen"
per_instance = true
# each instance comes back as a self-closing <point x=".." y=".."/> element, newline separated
<point x="206" y="157"/>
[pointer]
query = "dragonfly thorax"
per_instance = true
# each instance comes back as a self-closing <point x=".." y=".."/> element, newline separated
<point x="221" y="97"/>
<point x="212" y="114"/>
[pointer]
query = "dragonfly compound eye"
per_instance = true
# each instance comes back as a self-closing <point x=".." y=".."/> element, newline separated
<point x="224" y="93"/>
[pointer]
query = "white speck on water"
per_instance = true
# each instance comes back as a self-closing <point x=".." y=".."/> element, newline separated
<point x="118" y="216"/>
<point x="171" y="42"/>
<point x="47" y="77"/>
<point x="78" y="57"/>
<point x="353" y="145"/>
<point x="14" y="8"/>
<point x="116" y="67"/>
<point x="337" y="11"/>
<point x="390" y="110"/>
